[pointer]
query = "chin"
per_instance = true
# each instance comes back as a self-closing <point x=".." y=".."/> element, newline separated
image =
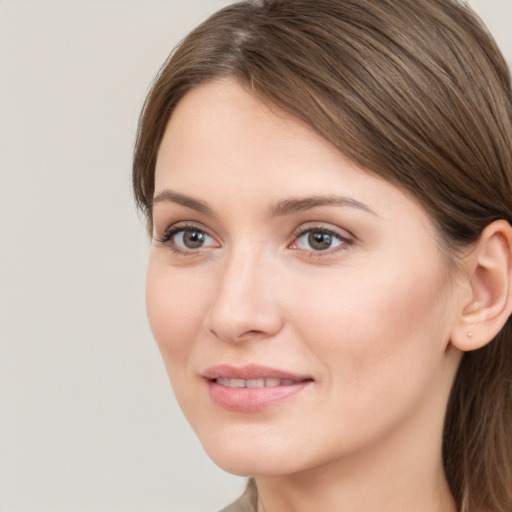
<point x="248" y="457"/>
<point x="247" y="466"/>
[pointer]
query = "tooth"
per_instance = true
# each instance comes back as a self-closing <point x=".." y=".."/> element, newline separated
<point x="269" y="382"/>
<point x="255" y="383"/>
<point x="237" y="383"/>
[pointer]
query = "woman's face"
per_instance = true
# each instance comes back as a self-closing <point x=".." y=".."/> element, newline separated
<point x="301" y="305"/>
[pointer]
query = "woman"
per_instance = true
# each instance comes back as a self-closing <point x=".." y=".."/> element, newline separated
<point x="328" y="186"/>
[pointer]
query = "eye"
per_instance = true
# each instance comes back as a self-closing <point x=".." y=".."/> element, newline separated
<point x="187" y="238"/>
<point x="318" y="240"/>
<point x="192" y="239"/>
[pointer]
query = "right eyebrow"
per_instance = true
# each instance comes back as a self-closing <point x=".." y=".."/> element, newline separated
<point x="189" y="202"/>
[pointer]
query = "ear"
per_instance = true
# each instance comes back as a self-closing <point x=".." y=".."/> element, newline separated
<point x="487" y="306"/>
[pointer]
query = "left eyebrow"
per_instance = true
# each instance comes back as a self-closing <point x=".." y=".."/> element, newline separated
<point x="289" y="206"/>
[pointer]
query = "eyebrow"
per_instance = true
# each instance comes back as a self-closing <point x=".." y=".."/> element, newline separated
<point x="189" y="202"/>
<point x="289" y="206"/>
<point x="281" y="208"/>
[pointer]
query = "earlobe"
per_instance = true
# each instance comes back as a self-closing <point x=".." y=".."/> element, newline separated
<point x="490" y="282"/>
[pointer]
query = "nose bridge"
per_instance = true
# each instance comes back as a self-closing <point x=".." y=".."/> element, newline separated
<point x="245" y="305"/>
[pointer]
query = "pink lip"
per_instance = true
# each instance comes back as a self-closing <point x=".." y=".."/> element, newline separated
<point x="252" y="399"/>
<point x="250" y="371"/>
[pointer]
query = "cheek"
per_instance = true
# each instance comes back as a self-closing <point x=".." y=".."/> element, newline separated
<point x="374" y="325"/>
<point x="379" y="343"/>
<point x="175" y="311"/>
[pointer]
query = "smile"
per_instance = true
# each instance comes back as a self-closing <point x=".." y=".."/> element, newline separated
<point x="252" y="388"/>
<point x="255" y="383"/>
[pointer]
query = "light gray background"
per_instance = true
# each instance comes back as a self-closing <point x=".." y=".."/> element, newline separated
<point x="87" y="418"/>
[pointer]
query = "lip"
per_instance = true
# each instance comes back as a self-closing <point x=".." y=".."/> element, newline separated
<point x="249" y="399"/>
<point x="250" y="371"/>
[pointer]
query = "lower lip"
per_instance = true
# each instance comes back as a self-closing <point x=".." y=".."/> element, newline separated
<point x="252" y="399"/>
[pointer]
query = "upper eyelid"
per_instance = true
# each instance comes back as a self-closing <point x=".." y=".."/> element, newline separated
<point x="322" y="226"/>
<point x="184" y="225"/>
<point x="300" y="234"/>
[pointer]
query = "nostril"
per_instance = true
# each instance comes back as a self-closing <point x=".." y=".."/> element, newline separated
<point x="253" y="333"/>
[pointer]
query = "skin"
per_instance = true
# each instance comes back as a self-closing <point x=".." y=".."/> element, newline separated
<point x="369" y="319"/>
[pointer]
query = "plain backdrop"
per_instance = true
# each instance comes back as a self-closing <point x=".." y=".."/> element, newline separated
<point x="88" y="421"/>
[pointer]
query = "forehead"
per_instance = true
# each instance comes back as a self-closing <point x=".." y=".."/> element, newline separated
<point x="223" y="143"/>
<point x="220" y="125"/>
<point x="226" y="113"/>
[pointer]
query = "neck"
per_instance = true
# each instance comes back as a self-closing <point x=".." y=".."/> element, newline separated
<point x="383" y="489"/>
<point x="347" y="495"/>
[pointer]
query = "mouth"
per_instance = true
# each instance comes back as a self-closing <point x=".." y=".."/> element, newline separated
<point x="252" y="388"/>
<point x="256" y="383"/>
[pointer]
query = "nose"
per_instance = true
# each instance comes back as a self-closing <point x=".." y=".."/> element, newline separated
<point x="245" y="304"/>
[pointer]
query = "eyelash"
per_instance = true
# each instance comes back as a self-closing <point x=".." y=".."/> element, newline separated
<point x="167" y="239"/>
<point x="345" y="242"/>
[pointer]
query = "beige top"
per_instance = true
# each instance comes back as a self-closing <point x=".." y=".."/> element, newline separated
<point x="248" y="502"/>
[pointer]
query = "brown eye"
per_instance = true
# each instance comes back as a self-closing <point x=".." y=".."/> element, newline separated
<point x="193" y="238"/>
<point x="184" y="239"/>
<point x="319" y="240"/>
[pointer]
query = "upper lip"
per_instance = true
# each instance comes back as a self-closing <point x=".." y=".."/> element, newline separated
<point x="250" y="371"/>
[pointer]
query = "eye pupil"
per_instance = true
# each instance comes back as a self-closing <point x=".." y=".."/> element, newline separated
<point x="319" y="241"/>
<point x="193" y="239"/>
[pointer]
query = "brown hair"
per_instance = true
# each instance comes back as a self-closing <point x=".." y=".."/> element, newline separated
<point x="415" y="91"/>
